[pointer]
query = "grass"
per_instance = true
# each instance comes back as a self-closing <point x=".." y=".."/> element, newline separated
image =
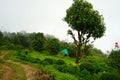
<point x="44" y="55"/>
<point x="63" y="76"/>
<point x="19" y="73"/>
<point x="56" y="74"/>
<point x="1" y="71"/>
<point x="51" y="68"/>
<point x="98" y="62"/>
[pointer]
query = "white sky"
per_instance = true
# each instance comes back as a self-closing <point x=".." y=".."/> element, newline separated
<point x="46" y="16"/>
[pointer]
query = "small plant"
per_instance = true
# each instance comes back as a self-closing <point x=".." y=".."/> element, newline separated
<point x="67" y="69"/>
<point x="110" y="76"/>
<point x="88" y="66"/>
<point x="44" y="63"/>
<point x="85" y="75"/>
<point x="60" y="62"/>
<point x="49" y="60"/>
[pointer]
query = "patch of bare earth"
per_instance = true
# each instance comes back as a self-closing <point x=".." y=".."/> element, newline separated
<point x="8" y="71"/>
<point x="31" y="73"/>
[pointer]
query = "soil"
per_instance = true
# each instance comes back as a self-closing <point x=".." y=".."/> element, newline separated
<point x="8" y="71"/>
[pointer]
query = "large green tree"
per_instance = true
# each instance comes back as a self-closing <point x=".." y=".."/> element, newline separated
<point x="38" y="41"/>
<point x="88" y="23"/>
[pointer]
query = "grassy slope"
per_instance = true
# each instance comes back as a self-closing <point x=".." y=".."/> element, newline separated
<point x="19" y="73"/>
<point x="97" y="60"/>
<point x="50" y="68"/>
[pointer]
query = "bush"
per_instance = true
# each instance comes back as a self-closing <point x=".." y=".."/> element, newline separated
<point x="60" y="62"/>
<point x="110" y="76"/>
<point x="114" y="58"/>
<point x="49" y="60"/>
<point x="88" y="66"/>
<point x="24" y="57"/>
<point x="34" y="60"/>
<point x="66" y="69"/>
<point x="85" y="75"/>
<point x="44" y="62"/>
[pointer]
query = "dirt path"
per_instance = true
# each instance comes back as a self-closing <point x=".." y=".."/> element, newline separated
<point x="30" y="71"/>
<point x="8" y="71"/>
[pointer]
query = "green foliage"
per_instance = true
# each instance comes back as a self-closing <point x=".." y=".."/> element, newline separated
<point x="50" y="60"/>
<point x="54" y="46"/>
<point x="60" y="62"/>
<point x="92" y="67"/>
<point x="87" y="22"/>
<point x="1" y="38"/>
<point x="85" y="75"/>
<point x="110" y="76"/>
<point x="82" y="17"/>
<point x="38" y="41"/>
<point x="23" y="57"/>
<point x="115" y="58"/>
<point x="44" y="63"/>
<point x="88" y="66"/>
<point x="63" y="76"/>
<point x="66" y="69"/>
<point x="72" y="50"/>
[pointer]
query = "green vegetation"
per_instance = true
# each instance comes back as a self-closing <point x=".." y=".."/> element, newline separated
<point x="92" y="66"/>
<point x="87" y="22"/>
<point x="19" y="73"/>
<point x="43" y="52"/>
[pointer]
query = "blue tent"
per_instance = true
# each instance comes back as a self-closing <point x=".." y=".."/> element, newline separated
<point x="64" y="51"/>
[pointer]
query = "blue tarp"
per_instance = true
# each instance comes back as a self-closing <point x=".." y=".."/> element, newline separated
<point x="64" y="51"/>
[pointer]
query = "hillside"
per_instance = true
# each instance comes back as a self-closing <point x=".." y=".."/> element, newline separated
<point x="17" y="65"/>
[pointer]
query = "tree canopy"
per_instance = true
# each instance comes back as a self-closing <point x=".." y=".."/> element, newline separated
<point x="88" y="23"/>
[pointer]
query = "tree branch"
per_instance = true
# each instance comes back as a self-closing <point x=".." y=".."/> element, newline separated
<point x="73" y="36"/>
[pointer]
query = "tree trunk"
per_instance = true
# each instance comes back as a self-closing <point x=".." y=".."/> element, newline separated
<point x="78" y="54"/>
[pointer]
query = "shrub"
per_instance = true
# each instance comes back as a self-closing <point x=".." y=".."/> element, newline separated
<point x="44" y="62"/>
<point x="88" y="66"/>
<point x="60" y="62"/>
<point x="70" y="69"/>
<point x="66" y="69"/>
<point x="114" y="58"/>
<point x="110" y="76"/>
<point x="49" y="60"/>
<point x="85" y="75"/>
<point x="34" y="60"/>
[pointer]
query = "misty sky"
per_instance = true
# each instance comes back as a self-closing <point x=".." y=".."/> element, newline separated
<point x="46" y="16"/>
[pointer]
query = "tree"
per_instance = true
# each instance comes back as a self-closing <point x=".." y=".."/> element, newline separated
<point x="87" y="22"/>
<point x="38" y="41"/>
<point x="54" y="46"/>
<point x="1" y="37"/>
